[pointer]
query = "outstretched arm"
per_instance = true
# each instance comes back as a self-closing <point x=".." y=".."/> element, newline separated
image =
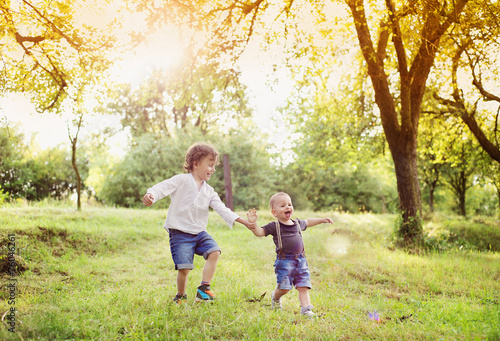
<point x="245" y="222"/>
<point x="316" y="221"/>
<point x="252" y="218"/>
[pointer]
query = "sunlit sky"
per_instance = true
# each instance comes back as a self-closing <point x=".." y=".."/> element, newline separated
<point x="161" y="49"/>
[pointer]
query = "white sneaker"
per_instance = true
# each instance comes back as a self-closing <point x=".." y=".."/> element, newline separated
<point x="275" y="304"/>
<point x="307" y="311"/>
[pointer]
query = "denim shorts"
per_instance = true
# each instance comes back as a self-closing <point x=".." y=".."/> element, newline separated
<point x="184" y="246"/>
<point x="292" y="270"/>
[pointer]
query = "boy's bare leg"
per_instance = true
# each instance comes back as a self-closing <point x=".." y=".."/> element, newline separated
<point x="210" y="266"/>
<point x="278" y="293"/>
<point x="182" y="276"/>
<point x="304" y="298"/>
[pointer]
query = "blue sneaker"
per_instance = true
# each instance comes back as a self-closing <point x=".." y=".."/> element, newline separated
<point x="203" y="294"/>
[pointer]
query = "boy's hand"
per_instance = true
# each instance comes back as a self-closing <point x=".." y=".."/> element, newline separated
<point x="252" y="215"/>
<point x="148" y="199"/>
<point x="327" y="221"/>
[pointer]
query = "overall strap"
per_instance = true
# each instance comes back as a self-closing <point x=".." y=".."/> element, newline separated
<point x="281" y="255"/>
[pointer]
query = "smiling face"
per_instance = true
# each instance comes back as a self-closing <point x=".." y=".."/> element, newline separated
<point x="282" y="207"/>
<point x="203" y="169"/>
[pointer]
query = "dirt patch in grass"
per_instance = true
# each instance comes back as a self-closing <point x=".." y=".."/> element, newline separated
<point x="10" y="262"/>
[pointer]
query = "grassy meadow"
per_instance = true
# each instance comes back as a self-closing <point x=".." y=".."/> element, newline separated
<point x="107" y="274"/>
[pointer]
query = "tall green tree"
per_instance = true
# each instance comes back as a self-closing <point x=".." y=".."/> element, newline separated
<point x="198" y="92"/>
<point x="458" y="172"/>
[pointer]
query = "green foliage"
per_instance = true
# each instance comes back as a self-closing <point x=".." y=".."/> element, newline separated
<point x="196" y="93"/>
<point x="253" y="177"/>
<point x="148" y="161"/>
<point x="408" y="233"/>
<point x="151" y="160"/>
<point x="361" y="187"/>
<point x="444" y="233"/>
<point x="34" y="174"/>
<point x="483" y="200"/>
<point x="3" y="196"/>
<point x="339" y="143"/>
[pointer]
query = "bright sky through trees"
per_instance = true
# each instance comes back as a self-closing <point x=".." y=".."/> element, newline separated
<point x="162" y="49"/>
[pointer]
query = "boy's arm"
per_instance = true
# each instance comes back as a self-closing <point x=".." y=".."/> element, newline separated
<point x="316" y="221"/>
<point x="245" y="222"/>
<point x="252" y="219"/>
<point x="161" y="190"/>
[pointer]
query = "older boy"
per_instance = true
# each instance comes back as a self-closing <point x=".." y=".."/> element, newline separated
<point x="291" y="265"/>
<point x="187" y="218"/>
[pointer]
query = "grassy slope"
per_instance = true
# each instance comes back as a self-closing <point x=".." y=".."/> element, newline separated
<point x="107" y="274"/>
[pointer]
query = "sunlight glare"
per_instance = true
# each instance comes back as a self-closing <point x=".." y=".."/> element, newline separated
<point x="161" y="50"/>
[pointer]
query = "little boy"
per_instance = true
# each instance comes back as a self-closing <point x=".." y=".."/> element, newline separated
<point x="290" y="265"/>
<point x="187" y="218"/>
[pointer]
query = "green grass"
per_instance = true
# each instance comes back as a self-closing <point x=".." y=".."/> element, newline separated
<point x="107" y="274"/>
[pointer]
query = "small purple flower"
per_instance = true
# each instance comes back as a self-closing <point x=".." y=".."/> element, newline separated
<point x="374" y="316"/>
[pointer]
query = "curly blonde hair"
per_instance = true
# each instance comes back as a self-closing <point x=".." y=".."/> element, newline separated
<point x="197" y="152"/>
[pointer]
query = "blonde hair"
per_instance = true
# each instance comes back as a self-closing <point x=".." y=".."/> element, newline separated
<point x="197" y="152"/>
<point x="273" y="198"/>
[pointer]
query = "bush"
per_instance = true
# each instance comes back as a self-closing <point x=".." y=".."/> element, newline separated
<point x="3" y="196"/>
<point x="457" y="232"/>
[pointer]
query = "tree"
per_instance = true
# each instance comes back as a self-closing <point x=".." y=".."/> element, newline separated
<point x="472" y="58"/>
<point x="34" y="174"/>
<point x="47" y="53"/>
<point x="491" y="171"/>
<point x="458" y="171"/>
<point x="197" y="93"/>
<point x="12" y="148"/>
<point x="432" y="153"/>
<point x="338" y="146"/>
<point x="415" y="51"/>
<point x="73" y="138"/>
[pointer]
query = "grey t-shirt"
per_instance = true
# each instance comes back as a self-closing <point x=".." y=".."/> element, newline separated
<point x="291" y="238"/>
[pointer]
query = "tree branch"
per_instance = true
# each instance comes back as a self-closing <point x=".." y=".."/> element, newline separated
<point x="487" y="96"/>
<point x="375" y="70"/>
<point x="53" y="26"/>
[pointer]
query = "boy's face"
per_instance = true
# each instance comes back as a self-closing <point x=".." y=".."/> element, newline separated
<point x="282" y="208"/>
<point x="204" y="168"/>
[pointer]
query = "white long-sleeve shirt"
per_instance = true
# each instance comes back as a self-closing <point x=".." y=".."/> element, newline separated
<point x="188" y="211"/>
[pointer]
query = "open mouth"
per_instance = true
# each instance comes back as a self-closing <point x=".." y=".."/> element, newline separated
<point x="288" y="213"/>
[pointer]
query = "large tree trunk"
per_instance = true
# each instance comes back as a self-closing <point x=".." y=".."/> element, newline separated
<point x="401" y="127"/>
<point x="405" y="163"/>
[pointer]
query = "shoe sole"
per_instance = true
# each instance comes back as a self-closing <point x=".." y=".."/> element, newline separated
<point x="201" y="300"/>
